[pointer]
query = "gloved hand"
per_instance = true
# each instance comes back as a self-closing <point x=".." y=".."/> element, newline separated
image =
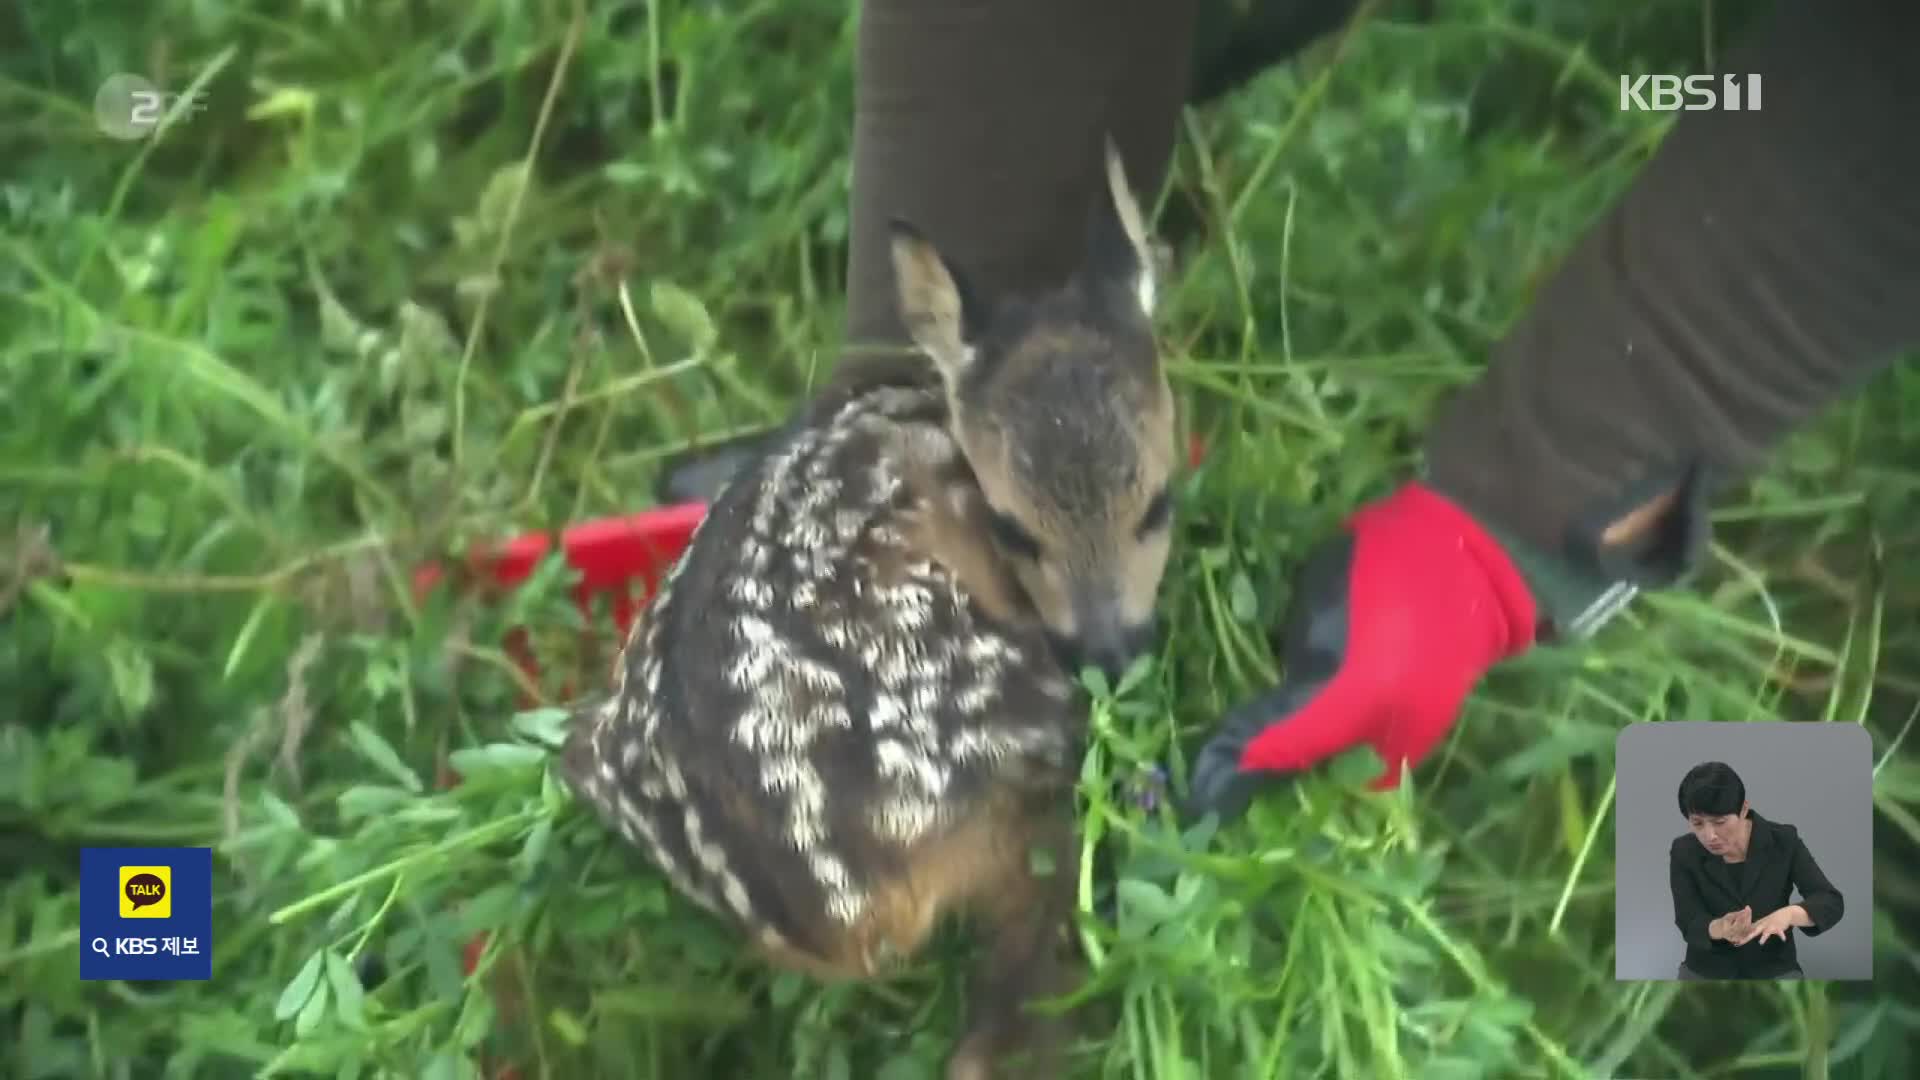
<point x="1391" y="626"/>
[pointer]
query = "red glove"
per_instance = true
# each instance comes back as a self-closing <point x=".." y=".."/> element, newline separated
<point x="1391" y="627"/>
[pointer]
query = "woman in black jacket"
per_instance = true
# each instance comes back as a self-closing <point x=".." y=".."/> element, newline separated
<point x="1732" y="863"/>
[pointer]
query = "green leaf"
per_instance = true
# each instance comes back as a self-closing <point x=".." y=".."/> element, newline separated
<point x="1135" y="674"/>
<point x="448" y="1065"/>
<point x="1453" y="1068"/>
<point x="477" y="761"/>
<point x="1197" y="837"/>
<point x="547" y="726"/>
<point x="490" y="909"/>
<point x="839" y="1066"/>
<point x="297" y="992"/>
<point x="503" y="191"/>
<point x="1242" y="601"/>
<point x="568" y="1027"/>
<point x="476" y="1018"/>
<point x="132" y="672"/>
<point x="277" y="809"/>
<point x="1143" y="904"/>
<point x="147" y="516"/>
<point x="244" y="640"/>
<point x="435" y="811"/>
<point x="315" y="1011"/>
<point x="684" y="1002"/>
<point x="785" y="989"/>
<point x="1559" y="744"/>
<point x="348" y="995"/>
<point x="382" y="755"/>
<point x="362" y="801"/>
<point x="534" y="851"/>
<point x="624" y="173"/>
<point x="910" y="1066"/>
<point x="286" y="101"/>
<point x="1358" y="766"/>
<point x="1573" y="827"/>
<point x="1095" y="681"/>
<point x="684" y="314"/>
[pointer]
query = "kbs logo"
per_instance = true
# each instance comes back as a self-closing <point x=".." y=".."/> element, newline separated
<point x="1693" y="93"/>
<point x="146" y="892"/>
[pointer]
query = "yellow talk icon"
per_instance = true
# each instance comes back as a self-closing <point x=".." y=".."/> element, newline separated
<point x="146" y="892"/>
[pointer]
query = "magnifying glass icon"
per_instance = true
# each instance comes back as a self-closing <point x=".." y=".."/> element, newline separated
<point x="100" y="946"/>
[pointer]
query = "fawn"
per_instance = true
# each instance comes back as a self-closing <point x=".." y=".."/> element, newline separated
<point x="849" y="709"/>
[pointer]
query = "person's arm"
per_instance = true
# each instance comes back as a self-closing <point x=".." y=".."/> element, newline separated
<point x="1763" y="264"/>
<point x="1689" y="913"/>
<point x="1819" y="900"/>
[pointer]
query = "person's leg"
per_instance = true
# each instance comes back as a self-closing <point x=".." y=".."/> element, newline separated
<point x="982" y="123"/>
<point x="1236" y="42"/>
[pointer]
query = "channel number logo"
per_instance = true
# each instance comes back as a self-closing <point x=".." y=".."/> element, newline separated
<point x="146" y="892"/>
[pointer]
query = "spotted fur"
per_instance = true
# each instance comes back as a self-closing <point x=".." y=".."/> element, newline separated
<point x="841" y="717"/>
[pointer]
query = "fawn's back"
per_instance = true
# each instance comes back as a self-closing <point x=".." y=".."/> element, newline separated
<point x="816" y="689"/>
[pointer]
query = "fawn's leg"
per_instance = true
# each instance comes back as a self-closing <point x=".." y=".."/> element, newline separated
<point x="1022" y="917"/>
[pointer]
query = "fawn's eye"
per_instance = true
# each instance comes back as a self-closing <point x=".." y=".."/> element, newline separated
<point x="1013" y="536"/>
<point x="1158" y="512"/>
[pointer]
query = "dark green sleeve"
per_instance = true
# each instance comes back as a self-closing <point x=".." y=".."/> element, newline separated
<point x="1763" y="265"/>
<point x="1821" y="900"/>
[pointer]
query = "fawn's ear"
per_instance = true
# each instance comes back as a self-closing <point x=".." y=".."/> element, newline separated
<point x="936" y="306"/>
<point x="1119" y="260"/>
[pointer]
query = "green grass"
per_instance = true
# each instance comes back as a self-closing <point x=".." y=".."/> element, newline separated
<point x="430" y="273"/>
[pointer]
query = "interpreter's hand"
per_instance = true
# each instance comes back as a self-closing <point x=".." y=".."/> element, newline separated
<point x="1732" y="926"/>
<point x="1773" y="925"/>
<point x="1390" y="627"/>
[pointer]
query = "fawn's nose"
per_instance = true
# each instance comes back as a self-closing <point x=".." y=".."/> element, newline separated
<point x="1108" y="644"/>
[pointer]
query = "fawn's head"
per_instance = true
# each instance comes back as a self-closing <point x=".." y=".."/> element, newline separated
<point x="1063" y="411"/>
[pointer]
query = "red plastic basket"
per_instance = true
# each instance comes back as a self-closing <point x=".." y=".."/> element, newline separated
<point x="612" y="554"/>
